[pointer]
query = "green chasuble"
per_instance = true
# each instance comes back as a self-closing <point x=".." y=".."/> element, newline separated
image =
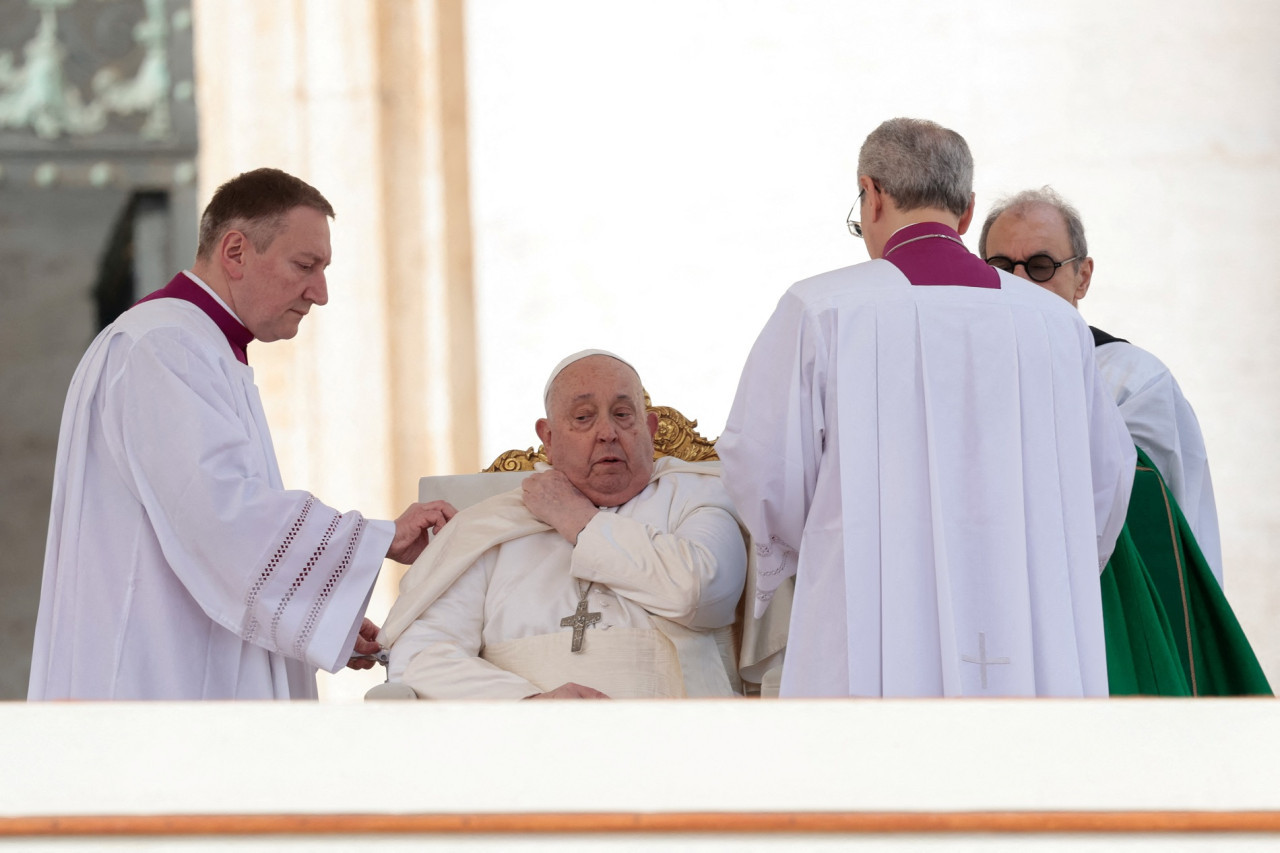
<point x="1142" y="657"/>
<point x="1169" y="628"/>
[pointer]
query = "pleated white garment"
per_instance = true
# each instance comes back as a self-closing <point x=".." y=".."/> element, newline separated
<point x="177" y="565"/>
<point x="944" y="474"/>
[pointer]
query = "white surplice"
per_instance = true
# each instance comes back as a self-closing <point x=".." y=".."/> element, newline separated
<point x="944" y="474"/>
<point x="674" y="555"/>
<point x="1164" y="425"/>
<point x="177" y="566"/>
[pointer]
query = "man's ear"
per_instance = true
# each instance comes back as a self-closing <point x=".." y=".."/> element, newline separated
<point x="1086" y="276"/>
<point x="875" y="199"/>
<point x="232" y="249"/>
<point x="651" y="420"/>
<point x="968" y="215"/>
<point x="543" y="429"/>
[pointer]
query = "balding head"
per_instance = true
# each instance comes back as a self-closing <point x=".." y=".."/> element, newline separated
<point x="1031" y="198"/>
<point x="1039" y="222"/>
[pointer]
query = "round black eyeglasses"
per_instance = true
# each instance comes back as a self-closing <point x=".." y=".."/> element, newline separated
<point x="1038" y="267"/>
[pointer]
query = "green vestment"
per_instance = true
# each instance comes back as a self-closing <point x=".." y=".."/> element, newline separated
<point x="1169" y="628"/>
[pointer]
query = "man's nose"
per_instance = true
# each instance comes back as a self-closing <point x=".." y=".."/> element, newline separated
<point x="607" y="430"/>
<point x="318" y="292"/>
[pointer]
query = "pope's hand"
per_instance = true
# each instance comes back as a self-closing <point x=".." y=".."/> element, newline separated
<point x="570" y="690"/>
<point x="366" y="644"/>
<point x="414" y="527"/>
<point x="554" y="500"/>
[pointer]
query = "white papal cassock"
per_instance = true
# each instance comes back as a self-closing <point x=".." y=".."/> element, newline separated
<point x="177" y="565"/>
<point x="479" y="614"/>
<point x="944" y="474"/>
<point x="1164" y="425"/>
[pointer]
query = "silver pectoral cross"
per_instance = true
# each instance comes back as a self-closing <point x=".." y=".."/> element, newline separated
<point x="579" y="622"/>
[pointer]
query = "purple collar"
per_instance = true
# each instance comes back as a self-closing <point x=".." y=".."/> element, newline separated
<point x="182" y="287"/>
<point x="930" y="254"/>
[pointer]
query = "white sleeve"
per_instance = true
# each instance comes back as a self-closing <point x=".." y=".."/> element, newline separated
<point x="1112" y="457"/>
<point x="279" y="568"/>
<point x="692" y="575"/>
<point x="439" y="654"/>
<point x="1165" y="426"/>
<point x="772" y="445"/>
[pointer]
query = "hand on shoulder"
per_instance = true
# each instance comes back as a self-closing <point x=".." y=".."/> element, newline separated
<point x="414" y="528"/>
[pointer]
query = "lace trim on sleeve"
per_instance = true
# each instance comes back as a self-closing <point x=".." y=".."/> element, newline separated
<point x="301" y="577"/>
<point x="330" y="584"/>
<point x="777" y="555"/>
<point x="776" y="561"/>
<point x="269" y="569"/>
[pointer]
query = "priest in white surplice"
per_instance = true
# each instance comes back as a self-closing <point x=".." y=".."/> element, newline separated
<point x="924" y="443"/>
<point x="1160" y="419"/>
<point x="177" y="565"/>
<point x="606" y="575"/>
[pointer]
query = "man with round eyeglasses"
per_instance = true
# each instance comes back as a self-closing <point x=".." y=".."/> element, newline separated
<point x="1187" y="641"/>
<point x="922" y="443"/>
<point x="1024" y="234"/>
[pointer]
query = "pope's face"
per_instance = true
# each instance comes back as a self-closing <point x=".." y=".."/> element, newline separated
<point x="281" y="283"/>
<point x="597" y="432"/>
<point x="1039" y="229"/>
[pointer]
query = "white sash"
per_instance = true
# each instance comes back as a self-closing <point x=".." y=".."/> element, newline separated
<point x="622" y="663"/>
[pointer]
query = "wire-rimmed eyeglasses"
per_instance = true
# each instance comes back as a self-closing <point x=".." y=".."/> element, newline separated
<point x="1039" y="267"/>
<point x="855" y="226"/>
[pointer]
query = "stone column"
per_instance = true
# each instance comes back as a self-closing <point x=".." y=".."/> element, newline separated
<point x="366" y="101"/>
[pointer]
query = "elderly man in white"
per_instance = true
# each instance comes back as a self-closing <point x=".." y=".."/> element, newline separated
<point x="606" y="575"/>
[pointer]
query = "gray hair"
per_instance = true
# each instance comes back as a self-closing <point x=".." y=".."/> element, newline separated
<point x="1028" y="198"/>
<point x="919" y="163"/>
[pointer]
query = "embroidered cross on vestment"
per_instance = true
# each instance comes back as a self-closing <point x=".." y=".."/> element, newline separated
<point x="982" y="660"/>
